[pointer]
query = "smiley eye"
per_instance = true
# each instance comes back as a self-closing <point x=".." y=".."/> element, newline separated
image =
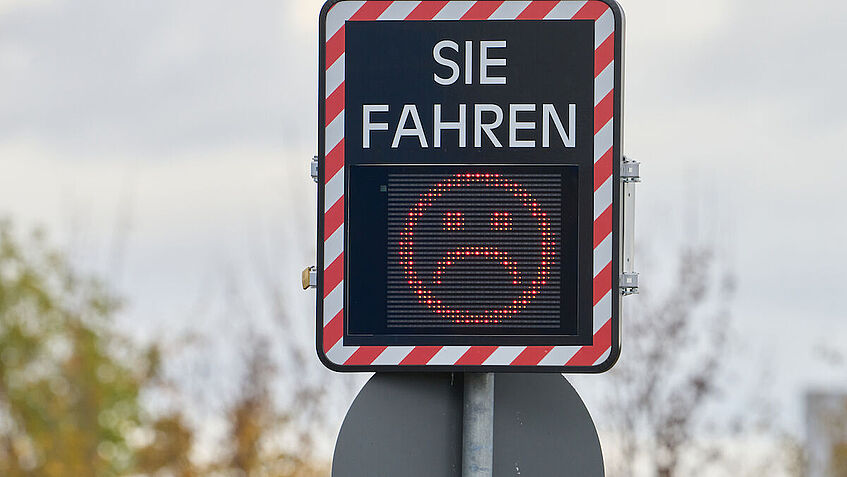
<point x="453" y="221"/>
<point x="501" y="221"/>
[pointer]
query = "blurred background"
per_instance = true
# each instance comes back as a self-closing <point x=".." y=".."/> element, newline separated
<point x="156" y="210"/>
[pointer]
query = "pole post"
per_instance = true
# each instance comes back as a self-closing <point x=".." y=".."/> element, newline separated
<point x="478" y="425"/>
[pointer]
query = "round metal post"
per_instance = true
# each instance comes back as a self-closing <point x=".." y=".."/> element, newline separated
<point x="478" y="425"/>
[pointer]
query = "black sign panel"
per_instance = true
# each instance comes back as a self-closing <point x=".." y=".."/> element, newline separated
<point x="468" y="166"/>
<point x="483" y="263"/>
<point x="392" y="63"/>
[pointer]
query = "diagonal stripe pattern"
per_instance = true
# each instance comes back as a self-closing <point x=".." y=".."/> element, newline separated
<point x="333" y="273"/>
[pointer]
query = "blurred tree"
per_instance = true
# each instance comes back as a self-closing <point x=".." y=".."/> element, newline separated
<point x="660" y="395"/>
<point x="834" y="417"/>
<point x="668" y="373"/>
<point x="169" y="450"/>
<point x="70" y="387"/>
<point x="262" y="441"/>
<point x="839" y="460"/>
<point x="837" y="433"/>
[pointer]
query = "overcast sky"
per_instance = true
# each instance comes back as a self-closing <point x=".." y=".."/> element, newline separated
<point x="166" y="144"/>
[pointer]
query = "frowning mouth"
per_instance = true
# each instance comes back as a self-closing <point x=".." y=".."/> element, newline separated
<point x="480" y="253"/>
<point x="487" y="253"/>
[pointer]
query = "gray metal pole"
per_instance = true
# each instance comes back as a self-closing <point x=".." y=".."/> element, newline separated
<point x="478" y="425"/>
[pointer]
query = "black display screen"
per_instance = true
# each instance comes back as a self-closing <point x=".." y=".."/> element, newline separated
<point x="469" y="251"/>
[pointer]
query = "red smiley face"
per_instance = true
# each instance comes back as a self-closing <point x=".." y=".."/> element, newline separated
<point x="490" y="232"/>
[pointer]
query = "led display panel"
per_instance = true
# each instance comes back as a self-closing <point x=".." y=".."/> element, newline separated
<point x="452" y="253"/>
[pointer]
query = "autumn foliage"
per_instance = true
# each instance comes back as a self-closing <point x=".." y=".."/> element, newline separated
<point x="70" y="387"/>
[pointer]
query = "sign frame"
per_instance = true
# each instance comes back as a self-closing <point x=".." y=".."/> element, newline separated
<point x="331" y="298"/>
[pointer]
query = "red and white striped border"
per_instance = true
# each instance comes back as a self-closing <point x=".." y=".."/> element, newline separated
<point x="333" y="273"/>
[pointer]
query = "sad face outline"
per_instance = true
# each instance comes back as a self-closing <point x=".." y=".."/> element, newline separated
<point x="477" y="237"/>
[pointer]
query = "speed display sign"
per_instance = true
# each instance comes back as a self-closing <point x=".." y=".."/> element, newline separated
<point x="469" y="185"/>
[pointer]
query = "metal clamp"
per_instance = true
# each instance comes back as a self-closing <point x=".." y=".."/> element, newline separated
<point x="630" y="170"/>
<point x="629" y="283"/>
<point x="315" y="169"/>
<point x="309" y="278"/>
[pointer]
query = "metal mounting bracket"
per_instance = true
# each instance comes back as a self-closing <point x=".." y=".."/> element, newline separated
<point x="315" y="169"/>
<point x="629" y="283"/>
<point x="630" y="175"/>
<point x="630" y="171"/>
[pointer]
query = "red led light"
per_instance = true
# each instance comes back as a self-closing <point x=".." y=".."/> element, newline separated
<point x="502" y="220"/>
<point x="453" y="221"/>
